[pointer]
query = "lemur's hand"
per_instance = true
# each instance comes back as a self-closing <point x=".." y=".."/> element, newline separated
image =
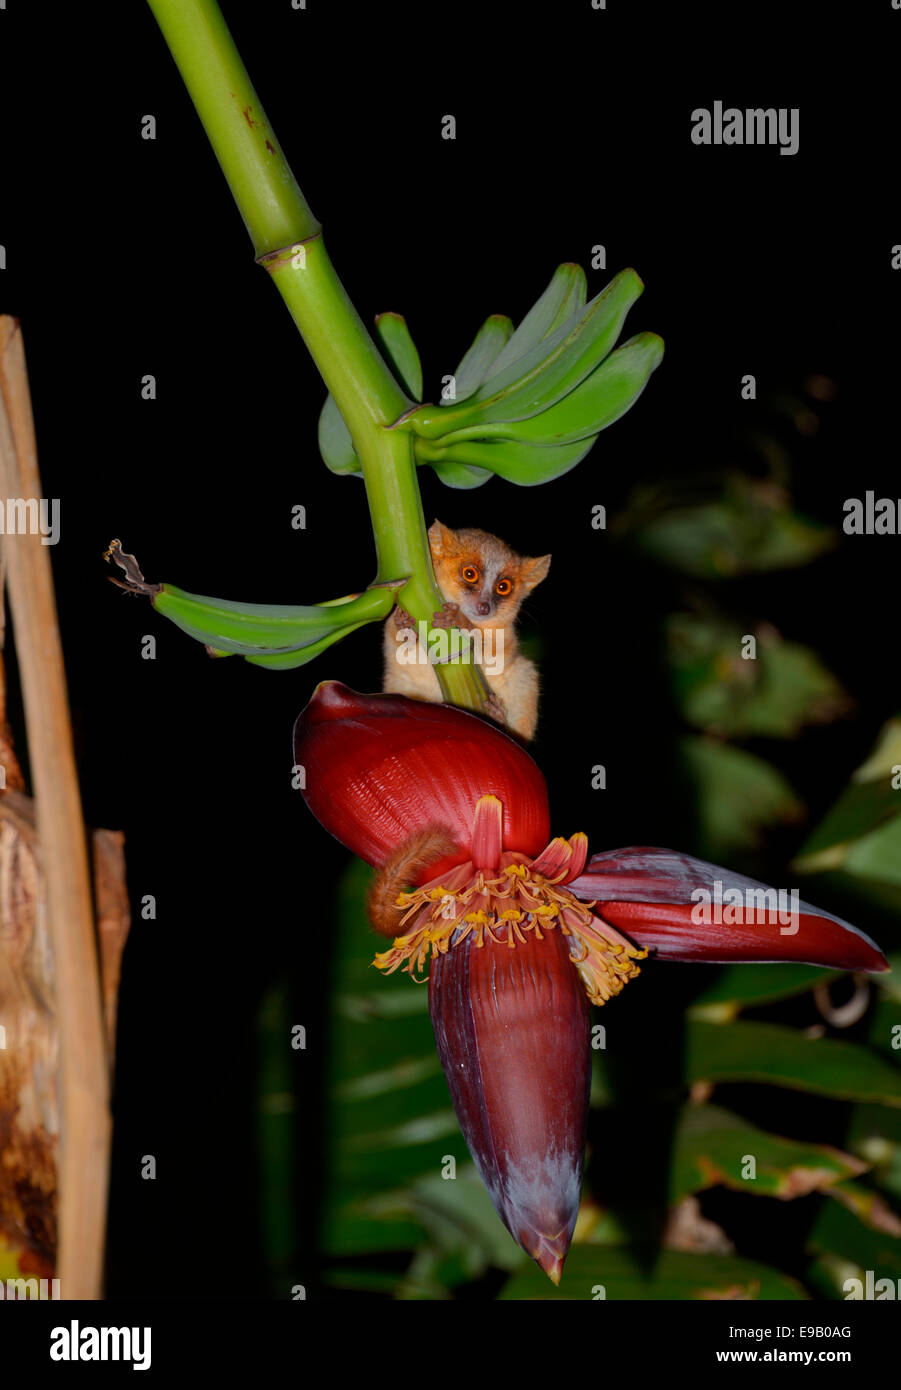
<point x="401" y="619"/>
<point x="448" y="615"/>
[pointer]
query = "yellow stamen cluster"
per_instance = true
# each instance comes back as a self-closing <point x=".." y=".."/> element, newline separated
<point x="501" y="909"/>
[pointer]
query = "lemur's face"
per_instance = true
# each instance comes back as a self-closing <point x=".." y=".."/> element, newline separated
<point x="487" y="592"/>
<point x="480" y="574"/>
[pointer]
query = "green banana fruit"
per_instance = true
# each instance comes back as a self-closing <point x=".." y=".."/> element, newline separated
<point x="289" y="661"/>
<point x="526" y="464"/>
<point x="479" y="358"/>
<point x="564" y="296"/>
<point x="256" y="629"/>
<point x="601" y="399"/>
<point x="335" y="443"/>
<point x="399" y="351"/>
<point x="489" y="342"/>
<point x="455" y="473"/>
<point x="259" y="632"/>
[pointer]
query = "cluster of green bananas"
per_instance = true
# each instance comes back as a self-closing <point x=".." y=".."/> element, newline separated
<point x="276" y="635"/>
<point x="526" y="405"/>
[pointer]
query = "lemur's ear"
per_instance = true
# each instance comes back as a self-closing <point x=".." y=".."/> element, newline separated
<point x="533" y="571"/>
<point x="441" y="540"/>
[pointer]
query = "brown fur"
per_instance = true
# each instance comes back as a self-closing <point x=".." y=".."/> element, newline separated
<point x="403" y="869"/>
<point x="514" y="690"/>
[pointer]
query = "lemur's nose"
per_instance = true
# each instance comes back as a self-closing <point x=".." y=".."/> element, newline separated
<point x="483" y="608"/>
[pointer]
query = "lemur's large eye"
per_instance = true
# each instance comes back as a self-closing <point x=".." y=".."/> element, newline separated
<point x="503" y="587"/>
<point x="470" y="574"/>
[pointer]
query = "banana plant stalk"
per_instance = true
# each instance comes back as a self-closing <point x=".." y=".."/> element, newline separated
<point x="288" y="242"/>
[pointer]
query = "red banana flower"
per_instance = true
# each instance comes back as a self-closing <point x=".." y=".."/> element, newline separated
<point x="522" y="930"/>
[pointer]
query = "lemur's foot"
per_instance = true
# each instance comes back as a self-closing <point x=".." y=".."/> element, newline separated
<point x="448" y="615"/>
<point x="402" y="619"/>
<point x="494" y="708"/>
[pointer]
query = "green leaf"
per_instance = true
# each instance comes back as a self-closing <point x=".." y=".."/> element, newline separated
<point x="463" y="1232"/>
<point x="389" y="1119"/>
<point x="752" y="985"/>
<point x="712" y="1147"/>
<point x="890" y="984"/>
<point x="825" y="1276"/>
<point x="773" y="695"/>
<point x="350" y="1280"/>
<point x="838" y="1231"/>
<point x="868" y="1206"/>
<point x="861" y="808"/>
<point x="888" y="1172"/>
<point x="884" y="1028"/>
<point x="674" y="1275"/>
<point x="878" y="854"/>
<point x="885" y="755"/>
<point x="736" y="795"/>
<point x="749" y="527"/>
<point x="878" y="898"/>
<point x="875" y="1134"/>
<point x="861" y="834"/>
<point x="873" y="1122"/>
<point x="768" y="1053"/>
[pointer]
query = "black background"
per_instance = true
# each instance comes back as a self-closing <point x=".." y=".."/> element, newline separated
<point x="127" y="257"/>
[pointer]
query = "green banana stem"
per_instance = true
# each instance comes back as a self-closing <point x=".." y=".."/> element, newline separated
<point x="288" y="241"/>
